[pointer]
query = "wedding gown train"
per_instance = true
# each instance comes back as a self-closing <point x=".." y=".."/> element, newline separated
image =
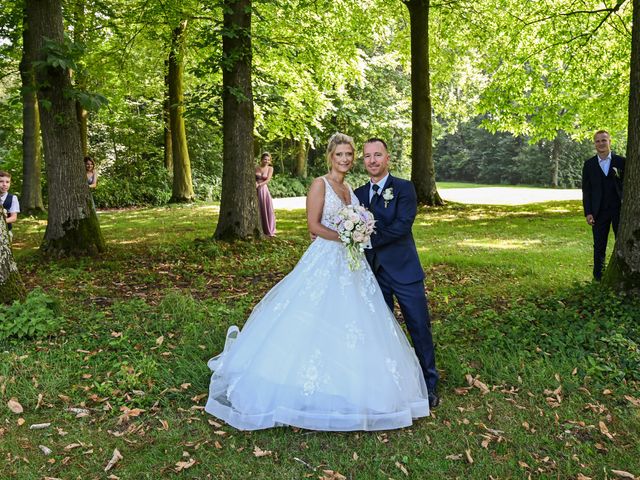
<point x="320" y="351"/>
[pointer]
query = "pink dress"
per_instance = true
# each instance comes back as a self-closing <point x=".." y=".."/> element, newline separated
<point x="265" y="204"/>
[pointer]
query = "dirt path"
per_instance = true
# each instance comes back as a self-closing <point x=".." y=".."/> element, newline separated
<point x="475" y="196"/>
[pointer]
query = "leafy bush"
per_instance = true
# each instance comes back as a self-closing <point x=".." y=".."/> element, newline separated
<point x="134" y="184"/>
<point x="282" y="186"/>
<point x="37" y="316"/>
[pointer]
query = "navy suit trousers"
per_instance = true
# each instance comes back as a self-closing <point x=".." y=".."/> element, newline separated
<point x="415" y="311"/>
<point x="606" y="219"/>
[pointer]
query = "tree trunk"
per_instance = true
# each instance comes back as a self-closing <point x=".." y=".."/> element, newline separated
<point x="79" y="29"/>
<point x="555" y="160"/>
<point x="11" y="286"/>
<point x="166" y="117"/>
<point x="238" y="217"/>
<point x="301" y="158"/>
<point x="623" y="272"/>
<point x="31" y="197"/>
<point x="82" y="116"/>
<point x="182" y="185"/>
<point x="423" y="172"/>
<point x="73" y="226"/>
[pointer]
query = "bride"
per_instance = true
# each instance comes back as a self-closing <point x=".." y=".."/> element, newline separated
<point x="321" y="350"/>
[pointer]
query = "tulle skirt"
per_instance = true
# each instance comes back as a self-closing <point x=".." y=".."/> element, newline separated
<point x="320" y="351"/>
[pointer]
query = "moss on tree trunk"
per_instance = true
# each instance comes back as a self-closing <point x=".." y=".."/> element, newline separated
<point x="80" y="237"/>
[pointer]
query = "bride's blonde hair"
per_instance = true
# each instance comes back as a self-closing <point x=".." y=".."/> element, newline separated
<point x="335" y="140"/>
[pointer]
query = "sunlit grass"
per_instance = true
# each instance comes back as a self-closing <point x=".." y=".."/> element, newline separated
<point x="142" y="319"/>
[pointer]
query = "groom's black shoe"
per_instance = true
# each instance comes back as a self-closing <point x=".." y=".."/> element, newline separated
<point x="434" y="400"/>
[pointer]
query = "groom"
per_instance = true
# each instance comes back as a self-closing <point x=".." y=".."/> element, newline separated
<point x="393" y="256"/>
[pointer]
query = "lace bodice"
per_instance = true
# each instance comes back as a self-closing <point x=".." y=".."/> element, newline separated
<point x="333" y="203"/>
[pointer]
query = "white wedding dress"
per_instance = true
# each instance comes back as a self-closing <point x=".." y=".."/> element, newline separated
<point x="320" y="351"/>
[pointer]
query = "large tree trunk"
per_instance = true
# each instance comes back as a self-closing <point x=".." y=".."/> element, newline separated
<point x="166" y="117"/>
<point x="182" y="185"/>
<point x="79" y="30"/>
<point x="555" y="160"/>
<point x="239" y="203"/>
<point x="73" y="226"/>
<point x="11" y="286"/>
<point x="301" y="158"/>
<point x="31" y="197"/>
<point x="623" y="272"/>
<point x="423" y="172"/>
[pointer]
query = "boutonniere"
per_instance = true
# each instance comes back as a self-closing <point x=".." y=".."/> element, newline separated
<point x="388" y="196"/>
<point x="616" y="172"/>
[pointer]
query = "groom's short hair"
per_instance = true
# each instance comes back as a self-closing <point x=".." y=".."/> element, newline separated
<point x="376" y="139"/>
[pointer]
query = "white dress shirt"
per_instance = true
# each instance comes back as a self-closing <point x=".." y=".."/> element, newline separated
<point x="605" y="163"/>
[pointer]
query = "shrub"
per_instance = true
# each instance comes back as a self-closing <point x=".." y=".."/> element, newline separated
<point x="282" y="186"/>
<point x="37" y="316"/>
<point x="133" y="186"/>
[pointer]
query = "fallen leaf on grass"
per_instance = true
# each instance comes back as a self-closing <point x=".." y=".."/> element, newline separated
<point x="623" y="474"/>
<point x="604" y="430"/>
<point x="600" y="447"/>
<point x="217" y="444"/>
<point x="461" y="390"/>
<point x="79" y="412"/>
<point x="115" y="458"/>
<point x="14" y="406"/>
<point x="469" y="457"/>
<point x="582" y="477"/>
<point x="116" y="334"/>
<point x="197" y="398"/>
<point x="71" y="446"/>
<point x="45" y="450"/>
<point x="258" y="452"/>
<point x="634" y="401"/>
<point x="39" y="426"/>
<point x="165" y="425"/>
<point x="40" y="398"/>
<point x="474" y="382"/>
<point x="184" y="465"/>
<point x="159" y="340"/>
<point x="457" y="456"/>
<point x="128" y="414"/>
<point x="214" y="423"/>
<point x="21" y="421"/>
<point x="402" y="468"/>
<point x="523" y="464"/>
<point x="332" y="475"/>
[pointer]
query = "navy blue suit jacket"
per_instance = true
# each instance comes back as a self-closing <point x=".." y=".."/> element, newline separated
<point x="393" y="246"/>
<point x="592" y="179"/>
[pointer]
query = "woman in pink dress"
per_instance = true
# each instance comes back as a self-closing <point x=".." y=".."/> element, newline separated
<point x="264" y="172"/>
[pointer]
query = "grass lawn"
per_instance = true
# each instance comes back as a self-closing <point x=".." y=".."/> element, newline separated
<point x="539" y="367"/>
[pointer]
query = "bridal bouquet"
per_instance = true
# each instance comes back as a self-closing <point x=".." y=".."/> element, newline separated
<point x="354" y="224"/>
